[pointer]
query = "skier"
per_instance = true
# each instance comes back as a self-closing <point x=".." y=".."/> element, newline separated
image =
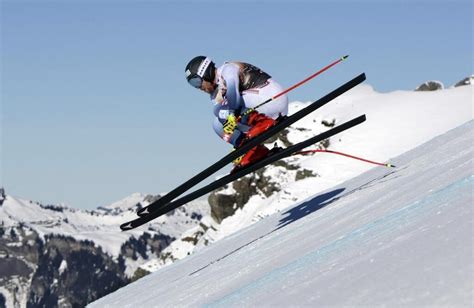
<point x="235" y="89"/>
<point x="202" y="74"/>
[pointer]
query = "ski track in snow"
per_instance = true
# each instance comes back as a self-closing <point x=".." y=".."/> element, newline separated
<point x="386" y="237"/>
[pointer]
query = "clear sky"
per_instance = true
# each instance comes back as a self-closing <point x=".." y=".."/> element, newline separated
<point x="95" y="106"/>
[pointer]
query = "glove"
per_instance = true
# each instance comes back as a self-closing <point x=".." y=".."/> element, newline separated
<point x="230" y="125"/>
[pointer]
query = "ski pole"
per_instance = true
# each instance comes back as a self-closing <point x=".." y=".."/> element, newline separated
<point x="346" y="155"/>
<point x="297" y="84"/>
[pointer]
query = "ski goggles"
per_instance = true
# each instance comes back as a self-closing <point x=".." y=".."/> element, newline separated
<point x="195" y="81"/>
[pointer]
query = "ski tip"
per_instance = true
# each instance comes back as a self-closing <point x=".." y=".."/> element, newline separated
<point x="345" y="57"/>
<point x="390" y="166"/>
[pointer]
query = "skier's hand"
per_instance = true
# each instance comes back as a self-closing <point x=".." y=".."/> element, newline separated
<point x="230" y="124"/>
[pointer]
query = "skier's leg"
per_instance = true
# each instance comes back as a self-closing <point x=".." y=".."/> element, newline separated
<point x="255" y="96"/>
<point x="265" y="116"/>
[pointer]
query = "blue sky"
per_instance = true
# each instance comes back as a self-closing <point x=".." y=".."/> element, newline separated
<point x="95" y="106"/>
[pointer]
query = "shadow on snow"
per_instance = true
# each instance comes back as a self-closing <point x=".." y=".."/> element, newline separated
<point x="294" y="214"/>
<point x="308" y="207"/>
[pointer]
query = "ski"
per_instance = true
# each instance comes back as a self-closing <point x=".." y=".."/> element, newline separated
<point x="250" y="144"/>
<point x="240" y="173"/>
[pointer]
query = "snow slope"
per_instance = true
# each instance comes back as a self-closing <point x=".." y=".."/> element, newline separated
<point x="396" y="122"/>
<point x="386" y="237"/>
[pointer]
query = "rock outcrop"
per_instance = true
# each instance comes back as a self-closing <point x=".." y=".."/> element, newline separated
<point x="466" y="81"/>
<point x="224" y="202"/>
<point x="430" y="86"/>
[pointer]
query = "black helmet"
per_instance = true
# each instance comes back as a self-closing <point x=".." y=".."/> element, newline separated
<point x="198" y="69"/>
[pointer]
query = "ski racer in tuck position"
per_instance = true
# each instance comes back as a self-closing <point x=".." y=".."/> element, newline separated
<point x="235" y="89"/>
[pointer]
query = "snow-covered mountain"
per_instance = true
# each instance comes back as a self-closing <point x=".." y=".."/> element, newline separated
<point x="99" y="226"/>
<point x="43" y="246"/>
<point x="47" y="250"/>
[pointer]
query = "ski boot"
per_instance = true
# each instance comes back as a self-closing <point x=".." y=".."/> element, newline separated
<point x="254" y="155"/>
<point x="258" y="123"/>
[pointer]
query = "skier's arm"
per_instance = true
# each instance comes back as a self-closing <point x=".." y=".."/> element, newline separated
<point x="230" y="74"/>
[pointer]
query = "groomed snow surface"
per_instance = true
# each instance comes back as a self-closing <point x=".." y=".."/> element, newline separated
<point x="390" y="237"/>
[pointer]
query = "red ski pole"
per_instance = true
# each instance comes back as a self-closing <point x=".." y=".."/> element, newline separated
<point x="298" y="84"/>
<point x="346" y="155"/>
